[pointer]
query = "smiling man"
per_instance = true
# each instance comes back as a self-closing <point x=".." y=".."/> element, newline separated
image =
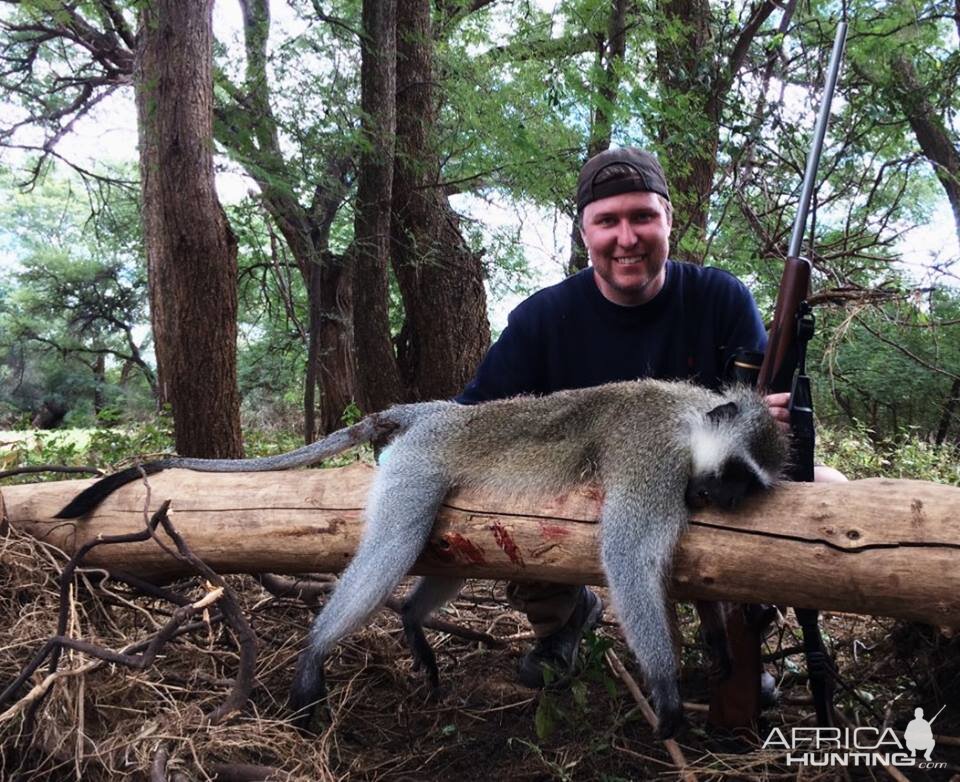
<point x="628" y="239"/>
<point x="627" y="234"/>
<point x="632" y="314"/>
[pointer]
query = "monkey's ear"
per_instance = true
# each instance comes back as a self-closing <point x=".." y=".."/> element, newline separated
<point x="723" y="412"/>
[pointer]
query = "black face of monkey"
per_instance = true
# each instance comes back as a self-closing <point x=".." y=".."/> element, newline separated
<point x="724" y="490"/>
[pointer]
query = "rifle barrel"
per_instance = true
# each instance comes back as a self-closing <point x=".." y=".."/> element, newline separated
<point x="820" y="131"/>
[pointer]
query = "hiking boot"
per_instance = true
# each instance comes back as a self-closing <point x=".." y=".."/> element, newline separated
<point x="558" y="652"/>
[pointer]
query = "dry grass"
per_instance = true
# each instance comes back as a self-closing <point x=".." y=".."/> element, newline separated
<point x="103" y="722"/>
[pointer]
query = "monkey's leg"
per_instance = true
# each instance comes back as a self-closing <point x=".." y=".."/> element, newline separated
<point x="426" y="597"/>
<point x="713" y="632"/>
<point x="637" y="549"/>
<point x="400" y="512"/>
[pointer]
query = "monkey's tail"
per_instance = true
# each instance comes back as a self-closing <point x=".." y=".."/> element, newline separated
<point x="373" y="427"/>
<point x="93" y="495"/>
<point x="400" y="514"/>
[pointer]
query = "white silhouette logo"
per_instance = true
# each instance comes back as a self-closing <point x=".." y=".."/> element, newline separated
<point x="919" y="734"/>
<point x="858" y="746"/>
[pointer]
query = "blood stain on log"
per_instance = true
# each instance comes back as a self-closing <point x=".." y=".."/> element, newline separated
<point x="454" y="547"/>
<point x="553" y="531"/>
<point x="505" y="542"/>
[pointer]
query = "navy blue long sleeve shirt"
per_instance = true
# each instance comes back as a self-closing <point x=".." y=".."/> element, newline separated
<point x="570" y="336"/>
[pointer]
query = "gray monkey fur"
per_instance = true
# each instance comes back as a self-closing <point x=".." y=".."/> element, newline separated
<point x="653" y="446"/>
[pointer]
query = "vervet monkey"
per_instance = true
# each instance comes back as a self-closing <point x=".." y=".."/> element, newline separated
<point x="653" y="447"/>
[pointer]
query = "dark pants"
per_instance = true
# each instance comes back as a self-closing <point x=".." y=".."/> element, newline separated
<point x="547" y="606"/>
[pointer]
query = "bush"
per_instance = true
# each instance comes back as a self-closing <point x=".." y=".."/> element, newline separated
<point x="859" y="454"/>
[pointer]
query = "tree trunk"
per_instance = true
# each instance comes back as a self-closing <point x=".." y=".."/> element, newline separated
<point x="874" y="546"/>
<point x="378" y="375"/>
<point x="337" y="376"/>
<point x="191" y="252"/>
<point x="949" y="412"/>
<point x="689" y="137"/>
<point x="99" y="382"/>
<point x="328" y="281"/>
<point x="932" y="133"/>
<point x="250" y="132"/>
<point x="610" y="54"/>
<point x="329" y="345"/>
<point x="695" y="79"/>
<point x="441" y="279"/>
<point x="311" y="375"/>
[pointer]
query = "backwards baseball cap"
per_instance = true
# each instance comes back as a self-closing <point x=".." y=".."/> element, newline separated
<point x="616" y="171"/>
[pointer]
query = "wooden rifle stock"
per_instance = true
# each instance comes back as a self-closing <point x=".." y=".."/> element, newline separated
<point x="780" y="359"/>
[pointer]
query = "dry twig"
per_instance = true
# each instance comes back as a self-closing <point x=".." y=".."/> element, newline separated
<point x="52" y="649"/>
<point x="673" y="749"/>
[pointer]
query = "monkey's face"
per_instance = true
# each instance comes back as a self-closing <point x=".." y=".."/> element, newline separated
<point x="736" y="449"/>
<point x="628" y="239"/>
<point x="724" y="489"/>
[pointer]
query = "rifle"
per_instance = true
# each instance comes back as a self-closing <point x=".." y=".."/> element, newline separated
<point x="784" y="369"/>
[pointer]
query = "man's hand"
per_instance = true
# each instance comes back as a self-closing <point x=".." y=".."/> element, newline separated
<point x="778" y="408"/>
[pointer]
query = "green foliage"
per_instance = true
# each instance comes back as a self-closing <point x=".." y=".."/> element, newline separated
<point x="103" y="447"/>
<point x="270" y="443"/>
<point x="38" y="448"/>
<point x="111" y="445"/>
<point x="555" y="708"/>
<point x="892" y="367"/>
<point x="273" y="315"/>
<point x="858" y="453"/>
<point x="76" y="304"/>
<point x="506" y="267"/>
<point x="351" y="414"/>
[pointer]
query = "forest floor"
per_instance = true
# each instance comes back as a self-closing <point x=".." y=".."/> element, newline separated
<point x="110" y="722"/>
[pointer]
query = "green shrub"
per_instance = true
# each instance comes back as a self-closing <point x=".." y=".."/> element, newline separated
<point x="858" y="454"/>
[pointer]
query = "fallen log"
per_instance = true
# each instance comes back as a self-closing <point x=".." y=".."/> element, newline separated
<point x="877" y="546"/>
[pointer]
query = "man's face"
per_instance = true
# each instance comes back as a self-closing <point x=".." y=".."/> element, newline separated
<point x="628" y="239"/>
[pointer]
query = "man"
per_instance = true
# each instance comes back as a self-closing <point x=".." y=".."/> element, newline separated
<point x="632" y="314"/>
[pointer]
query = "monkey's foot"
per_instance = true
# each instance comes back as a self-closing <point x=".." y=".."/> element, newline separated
<point x="669" y="725"/>
<point x="759" y="615"/>
<point x="308" y="693"/>
<point x="665" y="695"/>
<point x="669" y="721"/>
<point x="423" y="657"/>
<point x="312" y="718"/>
<point x="552" y="659"/>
